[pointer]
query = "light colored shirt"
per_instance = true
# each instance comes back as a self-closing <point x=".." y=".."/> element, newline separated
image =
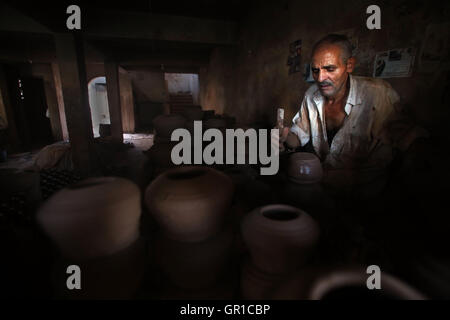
<point x="373" y="127"/>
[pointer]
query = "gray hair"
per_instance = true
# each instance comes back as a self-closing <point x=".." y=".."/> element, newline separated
<point x="338" y="40"/>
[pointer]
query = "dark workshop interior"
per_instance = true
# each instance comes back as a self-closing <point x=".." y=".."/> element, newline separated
<point x="94" y="206"/>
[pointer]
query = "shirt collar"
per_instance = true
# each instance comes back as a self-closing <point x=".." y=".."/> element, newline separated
<point x="352" y="99"/>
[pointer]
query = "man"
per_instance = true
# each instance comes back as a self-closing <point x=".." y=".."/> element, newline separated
<point x="353" y="124"/>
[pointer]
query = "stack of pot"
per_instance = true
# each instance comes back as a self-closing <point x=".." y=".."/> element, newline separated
<point x="160" y="152"/>
<point x="95" y="226"/>
<point x="304" y="189"/>
<point x="193" y="247"/>
<point x="280" y="240"/>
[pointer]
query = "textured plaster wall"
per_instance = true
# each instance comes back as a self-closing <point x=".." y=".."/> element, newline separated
<point x="148" y="86"/>
<point x="260" y="80"/>
<point x="218" y="81"/>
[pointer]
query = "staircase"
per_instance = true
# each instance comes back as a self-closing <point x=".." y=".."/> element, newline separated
<point x="179" y="102"/>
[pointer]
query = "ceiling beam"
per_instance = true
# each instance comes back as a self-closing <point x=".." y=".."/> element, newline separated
<point x="160" y="27"/>
<point x="13" y="20"/>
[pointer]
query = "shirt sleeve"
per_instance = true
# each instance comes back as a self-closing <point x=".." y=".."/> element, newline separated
<point x="300" y="124"/>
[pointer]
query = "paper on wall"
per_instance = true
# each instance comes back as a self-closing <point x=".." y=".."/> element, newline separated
<point x="394" y="63"/>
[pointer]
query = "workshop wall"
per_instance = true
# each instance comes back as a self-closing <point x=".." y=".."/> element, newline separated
<point x="262" y="83"/>
<point x="218" y="81"/>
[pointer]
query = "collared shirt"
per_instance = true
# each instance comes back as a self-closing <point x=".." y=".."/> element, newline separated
<point x="373" y="127"/>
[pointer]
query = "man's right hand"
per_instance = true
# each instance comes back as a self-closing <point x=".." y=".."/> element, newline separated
<point x="277" y="140"/>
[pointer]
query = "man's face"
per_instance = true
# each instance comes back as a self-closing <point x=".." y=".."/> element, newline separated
<point x="329" y="70"/>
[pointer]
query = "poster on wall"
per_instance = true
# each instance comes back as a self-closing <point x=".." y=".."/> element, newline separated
<point x="293" y="61"/>
<point x="394" y="63"/>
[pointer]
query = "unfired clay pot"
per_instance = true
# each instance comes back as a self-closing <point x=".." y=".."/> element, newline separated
<point x="342" y="283"/>
<point x="189" y="203"/>
<point x="93" y="218"/>
<point x="280" y="238"/>
<point x="304" y="168"/>
<point x="165" y="124"/>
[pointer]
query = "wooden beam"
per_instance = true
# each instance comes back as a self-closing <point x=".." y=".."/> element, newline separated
<point x="113" y="91"/>
<point x="72" y="67"/>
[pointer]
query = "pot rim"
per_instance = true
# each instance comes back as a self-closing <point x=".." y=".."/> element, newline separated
<point x="270" y="226"/>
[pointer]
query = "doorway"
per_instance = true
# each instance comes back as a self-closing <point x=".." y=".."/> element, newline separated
<point x="183" y="84"/>
<point x="98" y="102"/>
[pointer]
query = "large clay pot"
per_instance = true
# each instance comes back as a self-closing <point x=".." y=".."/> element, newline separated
<point x="190" y="203"/>
<point x="257" y="284"/>
<point x="343" y="283"/>
<point x="195" y="265"/>
<point x="165" y="124"/>
<point x="304" y="168"/>
<point x="280" y="238"/>
<point x="93" y="218"/>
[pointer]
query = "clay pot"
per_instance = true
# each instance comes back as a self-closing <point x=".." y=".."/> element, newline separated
<point x="257" y="284"/>
<point x="93" y="218"/>
<point x="165" y="124"/>
<point x="189" y="203"/>
<point x="280" y="238"/>
<point x="195" y="265"/>
<point x="342" y="283"/>
<point x="304" y="168"/>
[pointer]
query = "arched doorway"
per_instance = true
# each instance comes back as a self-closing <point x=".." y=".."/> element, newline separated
<point x="98" y="102"/>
